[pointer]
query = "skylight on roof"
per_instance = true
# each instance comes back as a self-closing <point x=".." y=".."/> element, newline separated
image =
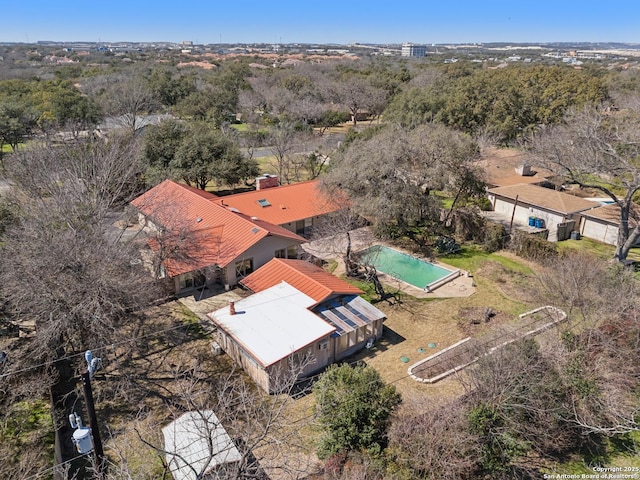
<point x="255" y="230"/>
<point x="264" y="202"/>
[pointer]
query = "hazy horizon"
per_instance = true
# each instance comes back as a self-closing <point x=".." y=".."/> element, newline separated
<point x="330" y="21"/>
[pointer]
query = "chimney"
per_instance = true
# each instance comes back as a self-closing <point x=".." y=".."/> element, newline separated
<point x="524" y="170"/>
<point x="267" y="181"/>
<point x="232" y="308"/>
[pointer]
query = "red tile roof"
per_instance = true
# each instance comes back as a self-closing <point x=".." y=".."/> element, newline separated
<point x="304" y="276"/>
<point x="214" y="234"/>
<point x="284" y="204"/>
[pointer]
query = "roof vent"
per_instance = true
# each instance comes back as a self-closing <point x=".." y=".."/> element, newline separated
<point x="233" y="209"/>
<point x="254" y="218"/>
<point x="199" y="219"/>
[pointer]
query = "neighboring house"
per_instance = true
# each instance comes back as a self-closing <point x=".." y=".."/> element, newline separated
<point x="554" y="208"/>
<point x="198" y="447"/>
<point x="300" y="320"/>
<point x="601" y="223"/>
<point x="298" y="207"/>
<point x="197" y="241"/>
<point x="507" y="166"/>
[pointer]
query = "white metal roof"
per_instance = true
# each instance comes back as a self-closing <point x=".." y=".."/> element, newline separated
<point x="188" y="439"/>
<point x="273" y="323"/>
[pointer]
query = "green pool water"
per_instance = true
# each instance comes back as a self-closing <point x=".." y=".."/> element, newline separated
<point x="403" y="267"/>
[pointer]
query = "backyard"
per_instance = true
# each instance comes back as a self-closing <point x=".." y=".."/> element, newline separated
<point x="164" y="363"/>
<point x="154" y="377"/>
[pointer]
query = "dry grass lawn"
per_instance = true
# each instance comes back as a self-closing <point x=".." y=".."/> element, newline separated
<point x="140" y="389"/>
<point x="418" y="328"/>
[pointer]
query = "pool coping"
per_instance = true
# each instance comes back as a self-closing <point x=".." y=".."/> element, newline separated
<point x="458" y="283"/>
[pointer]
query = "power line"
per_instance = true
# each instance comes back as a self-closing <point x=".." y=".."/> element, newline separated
<point x="99" y="348"/>
<point x="51" y="469"/>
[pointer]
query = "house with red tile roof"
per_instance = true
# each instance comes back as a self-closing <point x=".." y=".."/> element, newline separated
<point x="307" y="277"/>
<point x="299" y="315"/>
<point x="298" y="207"/>
<point x="197" y="241"/>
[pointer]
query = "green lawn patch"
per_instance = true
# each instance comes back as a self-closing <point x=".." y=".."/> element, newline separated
<point x="28" y="426"/>
<point x="191" y="320"/>
<point x="471" y="258"/>
<point x="619" y="451"/>
<point x="598" y="249"/>
<point x="241" y="127"/>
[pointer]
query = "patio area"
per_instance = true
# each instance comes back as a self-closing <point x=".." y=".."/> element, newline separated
<point x="332" y="248"/>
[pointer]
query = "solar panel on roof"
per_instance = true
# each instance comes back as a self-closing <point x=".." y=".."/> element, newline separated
<point x="357" y="313"/>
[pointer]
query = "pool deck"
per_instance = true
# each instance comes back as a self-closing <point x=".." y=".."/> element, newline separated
<point x="462" y="286"/>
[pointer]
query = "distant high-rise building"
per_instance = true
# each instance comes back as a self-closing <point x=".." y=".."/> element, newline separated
<point x="412" y="50"/>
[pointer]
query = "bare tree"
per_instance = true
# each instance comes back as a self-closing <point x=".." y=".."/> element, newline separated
<point x="265" y="440"/>
<point x="359" y="96"/>
<point x="64" y="267"/>
<point x="596" y="150"/>
<point x="434" y="441"/>
<point x="126" y="98"/>
<point x="283" y="139"/>
<point x="599" y="355"/>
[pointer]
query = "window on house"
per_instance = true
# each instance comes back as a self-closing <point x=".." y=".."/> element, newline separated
<point x="282" y="253"/>
<point x="244" y="267"/>
<point x="199" y="279"/>
<point x="292" y="252"/>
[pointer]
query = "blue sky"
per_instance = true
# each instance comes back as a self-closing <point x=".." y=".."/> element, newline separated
<point x="322" y="21"/>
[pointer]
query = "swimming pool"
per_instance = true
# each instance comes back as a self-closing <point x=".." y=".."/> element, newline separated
<point x="409" y="269"/>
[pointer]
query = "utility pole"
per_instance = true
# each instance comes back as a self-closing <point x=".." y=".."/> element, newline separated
<point x="515" y="205"/>
<point x="93" y="422"/>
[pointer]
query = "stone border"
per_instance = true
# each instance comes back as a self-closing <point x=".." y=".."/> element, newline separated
<point x="561" y="316"/>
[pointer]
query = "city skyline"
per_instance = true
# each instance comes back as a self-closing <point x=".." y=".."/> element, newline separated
<point x="330" y="21"/>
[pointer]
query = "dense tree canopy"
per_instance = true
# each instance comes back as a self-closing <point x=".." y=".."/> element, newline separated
<point x="47" y="106"/>
<point x="196" y="153"/>
<point x="207" y="155"/>
<point x="354" y="408"/>
<point x="389" y="176"/>
<point x="505" y="101"/>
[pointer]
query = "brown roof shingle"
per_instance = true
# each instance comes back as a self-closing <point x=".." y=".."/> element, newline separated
<point x="611" y="214"/>
<point x="546" y="198"/>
